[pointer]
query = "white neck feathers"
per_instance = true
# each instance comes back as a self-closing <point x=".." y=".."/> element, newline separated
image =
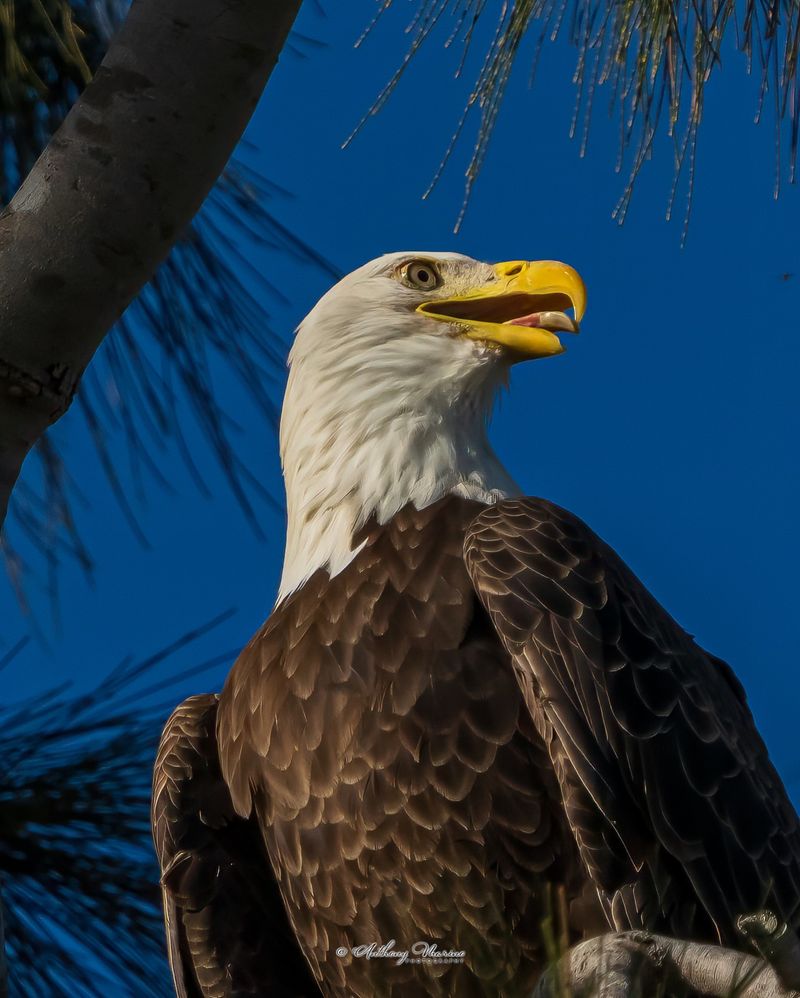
<point x="365" y="432"/>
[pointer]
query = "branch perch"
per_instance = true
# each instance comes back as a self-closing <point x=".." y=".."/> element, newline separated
<point x="776" y="943"/>
<point x="633" y="964"/>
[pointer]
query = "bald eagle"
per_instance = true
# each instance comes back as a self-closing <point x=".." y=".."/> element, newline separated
<point x="467" y="732"/>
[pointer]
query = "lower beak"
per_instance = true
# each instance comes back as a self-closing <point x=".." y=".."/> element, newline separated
<point x="519" y="310"/>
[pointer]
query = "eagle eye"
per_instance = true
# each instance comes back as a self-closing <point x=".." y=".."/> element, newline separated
<point x="421" y="274"/>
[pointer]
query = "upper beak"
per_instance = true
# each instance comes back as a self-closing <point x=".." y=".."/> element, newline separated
<point x="519" y="308"/>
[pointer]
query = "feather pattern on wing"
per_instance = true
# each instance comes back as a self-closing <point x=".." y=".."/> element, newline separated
<point x="680" y="817"/>
<point x="227" y="931"/>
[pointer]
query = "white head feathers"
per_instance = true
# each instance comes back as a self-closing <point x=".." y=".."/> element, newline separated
<point x="383" y="406"/>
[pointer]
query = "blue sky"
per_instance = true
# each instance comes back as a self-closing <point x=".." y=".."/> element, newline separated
<point x="671" y="425"/>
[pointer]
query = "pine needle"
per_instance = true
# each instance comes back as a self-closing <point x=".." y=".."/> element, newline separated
<point x="654" y="56"/>
<point x="79" y="878"/>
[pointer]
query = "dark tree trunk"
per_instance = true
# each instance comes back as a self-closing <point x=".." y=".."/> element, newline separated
<point x="115" y="188"/>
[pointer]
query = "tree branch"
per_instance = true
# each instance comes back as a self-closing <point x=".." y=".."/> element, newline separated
<point x="627" y="964"/>
<point x="115" y="188"/>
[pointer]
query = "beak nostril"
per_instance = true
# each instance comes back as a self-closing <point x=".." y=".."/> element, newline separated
<point x="513" y="271"/>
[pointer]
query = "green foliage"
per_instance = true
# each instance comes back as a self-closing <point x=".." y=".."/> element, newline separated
<point x="47" y="49"/>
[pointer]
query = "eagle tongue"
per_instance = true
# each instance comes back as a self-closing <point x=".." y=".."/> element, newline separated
<point x="545" y="320"/>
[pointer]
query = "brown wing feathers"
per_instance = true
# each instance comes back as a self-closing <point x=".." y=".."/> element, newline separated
<point x="227" y="930"/>
<point x="680" y="816"/>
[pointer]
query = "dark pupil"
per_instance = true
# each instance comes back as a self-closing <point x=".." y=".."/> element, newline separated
<point x="423" y="276"/>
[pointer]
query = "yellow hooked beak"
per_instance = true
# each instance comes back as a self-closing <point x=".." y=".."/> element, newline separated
<point x="519" y="309"/>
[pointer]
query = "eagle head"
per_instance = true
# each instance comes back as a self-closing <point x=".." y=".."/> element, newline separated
<point x="393" y="375"/>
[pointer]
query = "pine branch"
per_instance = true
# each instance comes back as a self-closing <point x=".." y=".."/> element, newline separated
<point x="654" y="57"/>
<point x="202" y="313"/>
<point x="113" y="191"/>
<point x="80" y="883"/>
